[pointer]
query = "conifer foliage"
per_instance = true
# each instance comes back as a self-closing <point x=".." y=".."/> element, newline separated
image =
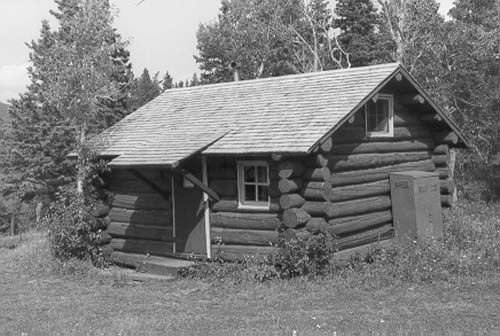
<point x="80" y="77"/>
<point x="144" y="89"/>
<point x="363" y="35"/>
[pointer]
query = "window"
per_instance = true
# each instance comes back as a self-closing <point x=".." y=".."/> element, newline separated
<point x="253" y="184"/>
<point x="379" y="116"/>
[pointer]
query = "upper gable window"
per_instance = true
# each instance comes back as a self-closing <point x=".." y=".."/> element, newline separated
<point x="253" y="184"/>
<point x="379" y="113"/>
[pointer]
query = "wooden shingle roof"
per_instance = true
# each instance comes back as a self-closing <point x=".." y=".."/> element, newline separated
<point x="286" y="114"/>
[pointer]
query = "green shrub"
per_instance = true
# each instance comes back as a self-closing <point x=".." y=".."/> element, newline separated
<point x="302" y="256"/>
<point x="70" y="224"/>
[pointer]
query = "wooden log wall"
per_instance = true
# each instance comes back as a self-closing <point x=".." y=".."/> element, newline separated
<point x="137" y="218"/>
<point x="345" y="184"/>
<point x="343" y="188"/>
<point x="238" y="233"/>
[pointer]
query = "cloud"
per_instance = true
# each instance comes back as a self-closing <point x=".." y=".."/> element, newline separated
<point x="13" y="80"/>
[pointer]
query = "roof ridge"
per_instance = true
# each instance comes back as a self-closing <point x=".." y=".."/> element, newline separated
<point x="280" y="78"/>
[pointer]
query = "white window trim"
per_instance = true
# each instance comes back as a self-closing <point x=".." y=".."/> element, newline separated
<point x="241" y="186"/>
<point x="390" y="99"/>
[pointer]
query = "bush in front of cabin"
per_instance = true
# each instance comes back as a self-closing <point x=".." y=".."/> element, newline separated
<point x="299" y="256"/>
<point x="70" y="223"/>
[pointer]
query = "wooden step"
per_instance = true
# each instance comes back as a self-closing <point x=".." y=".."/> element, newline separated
<point x="151" y="264"/>
<point x="142" y="246"/>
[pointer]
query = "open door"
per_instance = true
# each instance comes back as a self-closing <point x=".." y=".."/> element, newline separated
<point x="189" y="213"/>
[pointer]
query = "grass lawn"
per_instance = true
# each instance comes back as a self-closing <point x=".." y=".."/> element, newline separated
<point x="34" y="301"/>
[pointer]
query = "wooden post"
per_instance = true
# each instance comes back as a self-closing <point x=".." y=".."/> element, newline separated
<point x="12" y="225"/>
<point x="208" y="242"/>
<point x="173" y="212"/>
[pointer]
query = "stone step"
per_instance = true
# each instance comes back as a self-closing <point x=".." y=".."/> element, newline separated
<point x="151" y="264"/>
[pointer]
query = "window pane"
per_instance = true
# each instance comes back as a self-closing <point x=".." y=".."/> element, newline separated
<point x="261" y="174"/>
<point x="250" y="193"/>
<point x="263" y="193"/>
<point x="371" y="117"/>
<point x="378" y="116"/>
<point x="249" y="173"/>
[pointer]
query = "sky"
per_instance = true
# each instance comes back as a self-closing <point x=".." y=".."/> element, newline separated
<point x="162" y="35"/>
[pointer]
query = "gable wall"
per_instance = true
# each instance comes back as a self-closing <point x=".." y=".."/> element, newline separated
<point x="346" y="188"/>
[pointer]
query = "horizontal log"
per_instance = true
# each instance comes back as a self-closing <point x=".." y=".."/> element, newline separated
<point x="291" y="201"/>
<point x="440" y="160"/>
<point x="316" y="225"/>
<point x="338" y="163"/>
<point x="379" y="173"/>
<point x="347" y="134"/>
<point x="142" y="246"/>
<point x="290" y="186"/>
<point x="446" y="137"/>
<point x="424" y="144"/>
<point x="381" y="233"/>
<point x="289" y="169"/>
<point x="241" y="252"/>
<point x="252" y="221"/>
<point x="317" y="174"/>
<point x="148" y="232"/>
<point x="347" y="208"/>
<point x="294" y="218"/>
<point x="140" y="201"/>
<point x="314" y="191"/>
<point x="244" y="237"/>
<point x="348" y="225"/>
<point x="141" y="217"/>
<point x="224" y="188"/>
<point x="225" y="205"/>
<point x="441" y="149"/>
<point x="446" y="201"/>
<point x="356" y="191"/>
<point x="358" y="206"/>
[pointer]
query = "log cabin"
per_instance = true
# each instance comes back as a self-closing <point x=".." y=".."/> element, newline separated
<point x="227" y="169"/>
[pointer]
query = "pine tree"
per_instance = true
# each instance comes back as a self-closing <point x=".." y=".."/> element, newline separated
<point x="194" y="80"/>
<point x="144" y="89"/>
<point x="361" y="35"/>
<point x="168" y="81"/>
<point x="79" y="76"/>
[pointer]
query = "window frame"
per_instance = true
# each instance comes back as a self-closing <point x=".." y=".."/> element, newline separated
<point x="242" y="203"/>
<point x="390" y="133"/>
